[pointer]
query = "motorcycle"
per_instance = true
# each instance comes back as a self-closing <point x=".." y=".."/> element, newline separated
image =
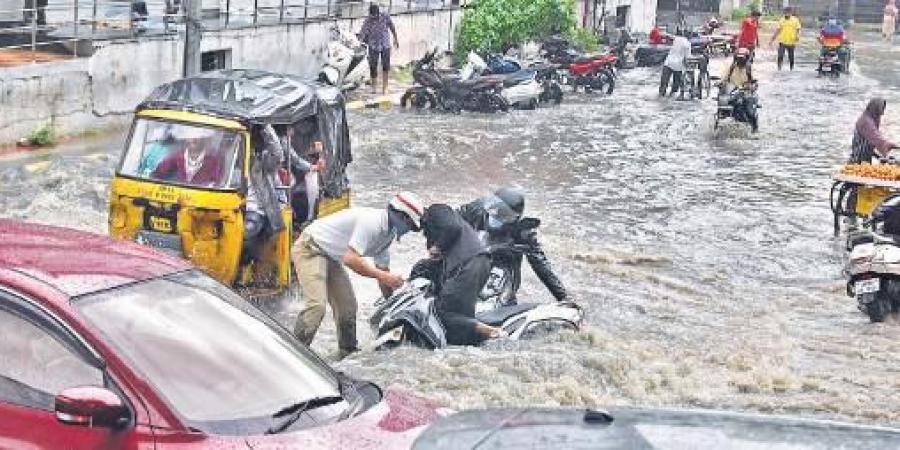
<point x="346" y="61"/>
<point x="409" y="316"/>
<point x="595" y="73"/>
<point x="831" y="63"/>
<point x="738" y="103"/>
<point x="521" y="88"/>
<point x="437" y="90"/>
<point x="873" y="268"/>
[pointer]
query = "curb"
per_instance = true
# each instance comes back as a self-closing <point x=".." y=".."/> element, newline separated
<point x="380" y="102"/>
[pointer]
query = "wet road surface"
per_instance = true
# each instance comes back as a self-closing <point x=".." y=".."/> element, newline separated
<point x="705" y="261"/>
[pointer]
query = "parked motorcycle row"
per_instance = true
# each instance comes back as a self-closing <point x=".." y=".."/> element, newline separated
<point x="495" y="83"/>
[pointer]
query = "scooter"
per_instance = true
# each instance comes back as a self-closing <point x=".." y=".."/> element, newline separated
<point x="520" y="88"/>
<point x="409" y="317"/>
<point x="347" y="61"/>
<point x="873" y="268"/>
<point x="545" y="74"/>
<point x="738" y="103"/>
<point x="436" y="90"/>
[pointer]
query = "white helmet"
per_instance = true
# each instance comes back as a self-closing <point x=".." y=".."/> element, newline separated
<point x="410" y="205"/>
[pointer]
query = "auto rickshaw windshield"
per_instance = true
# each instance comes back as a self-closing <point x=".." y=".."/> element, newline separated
<point x="184" y="154"/>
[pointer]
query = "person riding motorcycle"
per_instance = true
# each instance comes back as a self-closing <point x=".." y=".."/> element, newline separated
<point x="499" y="215"/>
<point x="740" y="75"/>
<point x="458" y="266"/>
<point x="832" y="37"/>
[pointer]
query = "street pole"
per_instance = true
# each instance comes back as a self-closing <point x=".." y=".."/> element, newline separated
<point x="192" y="32"/>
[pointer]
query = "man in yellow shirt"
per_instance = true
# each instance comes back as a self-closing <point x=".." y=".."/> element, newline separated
<point x="788" y="35"/>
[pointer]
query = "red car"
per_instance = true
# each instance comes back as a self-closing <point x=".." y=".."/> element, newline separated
<point x="106" y="344"/>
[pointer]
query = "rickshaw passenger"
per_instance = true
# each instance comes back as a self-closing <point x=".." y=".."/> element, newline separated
<point x="155" y="152"/>
<point x="264" y="201"/>
<point x="195" y="164"/>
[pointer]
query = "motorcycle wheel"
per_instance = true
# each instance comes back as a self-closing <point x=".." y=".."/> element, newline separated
<point x="879" y="309"/>
<point x="556" y="94"/>
<point x="495" y="102"/>
<point x="609" y="80"/>
<point x="416" y="99"/>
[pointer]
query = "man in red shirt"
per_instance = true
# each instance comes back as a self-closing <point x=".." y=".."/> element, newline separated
<point x="749" y="37"/>
<point x="656" y="36"/>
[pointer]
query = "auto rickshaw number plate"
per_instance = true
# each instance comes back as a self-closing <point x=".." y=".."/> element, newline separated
<point x="161" y="224"/>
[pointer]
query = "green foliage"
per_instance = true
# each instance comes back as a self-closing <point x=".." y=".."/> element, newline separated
<point x="497" y="25"/>
<point x="43" y="136"/>
<point x="584" y="39"/>
<point x="744" y="11"/>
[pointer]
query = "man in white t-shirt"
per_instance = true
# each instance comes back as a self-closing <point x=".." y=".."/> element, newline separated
<point x="345" y="239"/>
<point x="673" y="67"/>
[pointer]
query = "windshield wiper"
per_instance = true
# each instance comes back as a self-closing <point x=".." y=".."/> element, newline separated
<point x="293" y="412"/>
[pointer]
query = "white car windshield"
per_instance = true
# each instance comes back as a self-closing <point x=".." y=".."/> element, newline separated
<point x="210" y="354"/>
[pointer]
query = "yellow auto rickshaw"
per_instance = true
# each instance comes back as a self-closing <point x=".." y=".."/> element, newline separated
<point x="183" y="181"/>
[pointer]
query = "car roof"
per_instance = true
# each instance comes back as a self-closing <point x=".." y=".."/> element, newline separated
<point x="77" y="262"/>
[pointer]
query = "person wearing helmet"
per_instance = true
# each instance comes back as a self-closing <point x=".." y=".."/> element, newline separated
<point x="832" y="37"/>
<point x="458" y="267"/>
<point x="740" y="75"/>
<point x="500" y="216"/>
<point x="342" y="239"/>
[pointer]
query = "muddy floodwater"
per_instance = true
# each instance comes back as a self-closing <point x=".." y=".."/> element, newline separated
<point x="705" y="262"/>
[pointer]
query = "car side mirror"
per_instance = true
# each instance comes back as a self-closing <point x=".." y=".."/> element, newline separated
<point x="92" y="407"/>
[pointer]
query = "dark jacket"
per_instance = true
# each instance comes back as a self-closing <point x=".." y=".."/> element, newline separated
<point x="457" y="240"/>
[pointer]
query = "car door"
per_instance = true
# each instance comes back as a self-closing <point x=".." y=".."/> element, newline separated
<point x="41" y="357"/>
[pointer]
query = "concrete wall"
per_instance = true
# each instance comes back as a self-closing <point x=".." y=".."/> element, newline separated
<point x="641" y="15"/>
<point x="103" y="90"/>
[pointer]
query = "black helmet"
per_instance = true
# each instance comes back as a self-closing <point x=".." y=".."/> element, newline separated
<point x="513" y="198"/>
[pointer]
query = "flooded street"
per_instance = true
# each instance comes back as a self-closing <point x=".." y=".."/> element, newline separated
<point x="705" y="262"/>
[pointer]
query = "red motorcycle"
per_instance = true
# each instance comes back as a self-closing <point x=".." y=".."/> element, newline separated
<point x="593" y="73"/>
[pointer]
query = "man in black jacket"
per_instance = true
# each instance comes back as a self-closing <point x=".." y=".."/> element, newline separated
<point x="459" y="266"/>
<point x="500" y="216"/>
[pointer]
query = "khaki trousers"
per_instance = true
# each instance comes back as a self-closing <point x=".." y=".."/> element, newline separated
<point x="323" y="279"/>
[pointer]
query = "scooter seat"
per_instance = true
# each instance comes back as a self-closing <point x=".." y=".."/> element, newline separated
<point x="496" y="317"/>
<point x="479" y="83"/>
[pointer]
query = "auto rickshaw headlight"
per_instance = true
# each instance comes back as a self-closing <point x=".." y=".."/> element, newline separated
<point x="117" y="216"/>
<point x="206" y="230"/>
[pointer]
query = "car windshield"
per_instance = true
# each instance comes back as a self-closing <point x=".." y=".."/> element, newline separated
<point x="185" y="154"/>
<point x="214" y="357"/>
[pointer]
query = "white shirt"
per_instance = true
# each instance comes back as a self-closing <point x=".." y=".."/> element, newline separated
<point x="365" y="230"/>
<point x="681" y="49"/>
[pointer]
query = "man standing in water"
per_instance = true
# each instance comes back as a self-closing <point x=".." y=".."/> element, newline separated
<point x="749" y="37"/>
<point x="341" y="240"/>
<point x="673" y="66"/>
<point x="375" y="34"/>
<point x="890" y="20"/>
<point x="788" y="35"/>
